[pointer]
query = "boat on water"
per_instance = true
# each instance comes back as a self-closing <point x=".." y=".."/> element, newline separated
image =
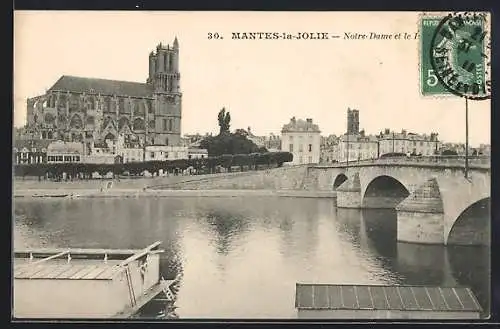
<point x="87" y="283"/>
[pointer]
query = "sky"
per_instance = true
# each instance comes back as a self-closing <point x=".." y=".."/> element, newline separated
<point x="262" y="83"/>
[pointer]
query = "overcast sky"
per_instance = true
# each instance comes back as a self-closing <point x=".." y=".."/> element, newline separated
<point x="263" y="83"/>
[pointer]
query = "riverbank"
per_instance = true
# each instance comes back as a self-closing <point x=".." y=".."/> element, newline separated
<point x="136" y="193"/>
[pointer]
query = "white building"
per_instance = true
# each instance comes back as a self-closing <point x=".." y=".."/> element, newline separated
<point x="357" y="147"/>
<point x="60" y="152"/>
<point x="408" y="143"/>
<point x="165" y="152"/>
<point x="196" y="153"/>
<point x="30" y="151"/>
<point x="302" y="139"/>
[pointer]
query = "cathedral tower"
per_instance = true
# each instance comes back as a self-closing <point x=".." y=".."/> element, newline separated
<point x="164" y="68"/>
<point x="164" y="78"/>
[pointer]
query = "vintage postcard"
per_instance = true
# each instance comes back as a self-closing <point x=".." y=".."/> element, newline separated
<point x="251" y="165"/>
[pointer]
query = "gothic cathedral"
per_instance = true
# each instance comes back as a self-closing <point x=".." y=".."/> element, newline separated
<point x="88" y="109"/>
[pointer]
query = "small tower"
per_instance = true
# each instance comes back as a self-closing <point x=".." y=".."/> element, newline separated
<point x="164" y="68"/>
<point x="352" y="122"/>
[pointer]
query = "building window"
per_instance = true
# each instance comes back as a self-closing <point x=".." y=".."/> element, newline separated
<point x="301" y="148"/>
<point x="164" y="124"/>
<point x="310" y="147"/>
<point x="152" y="155"/>
<point x="310" y="159"/>
<point x="170" y="124"/>
<point x="301" y="160"/>
<point x="291" y="147"/>
<point x="60" y="158"/>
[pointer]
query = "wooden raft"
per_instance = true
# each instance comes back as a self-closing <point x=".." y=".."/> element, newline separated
<point x="377" y="300"/>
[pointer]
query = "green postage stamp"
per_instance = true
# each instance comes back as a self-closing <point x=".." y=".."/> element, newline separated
<point x="454" y="55"/>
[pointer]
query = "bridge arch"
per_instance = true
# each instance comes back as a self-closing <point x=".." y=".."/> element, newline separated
<point x="472" y="226"/>
<point x="339" y="180"/>
<point x="384" y="192"/>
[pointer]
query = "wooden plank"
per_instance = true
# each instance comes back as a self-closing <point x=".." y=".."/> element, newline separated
<point x="140" y="254"/>
<point x="408" y="299"/>
<point x="84" y="271"/>
<point x="94" y="273"/>
<point x="62" y="253"/>
<point x="379" y="298"/>
<point x="364" y="297"/>
<point x="109" y="273"/>
<point x="393" y="298"/>
<point x="473" y="297"/>
<point x="70" y="272"/>
<point x="466" y="300"/>
<point x="349" y="297"/>
<point x="452" y="299"/>
<point x="58" y="270"/>
<point x="304" y="296"/>
<point x="437" y="299"/>
<point x="423" y="298"/>
<point x="334" y="296"/>
<point x="78" y="251"/>
<point x="47" y="270"/>
<point x="31" y="270"/>
<point x="22" y="269"/>
<point x="320" y="296"/>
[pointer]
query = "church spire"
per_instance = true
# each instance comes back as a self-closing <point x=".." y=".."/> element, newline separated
<point x="176" y="43"/>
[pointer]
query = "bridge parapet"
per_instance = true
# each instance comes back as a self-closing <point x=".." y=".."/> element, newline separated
<point x="475" y="162"/>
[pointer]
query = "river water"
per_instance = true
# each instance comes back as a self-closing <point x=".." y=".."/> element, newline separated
<point x="241" y="257"/>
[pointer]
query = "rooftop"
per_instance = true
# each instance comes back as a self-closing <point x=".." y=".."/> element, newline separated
<point x="299" y="125"/>
<point x="65" y="147"/>
<point x="102" y="86"/>
<point x="30" y="144"/>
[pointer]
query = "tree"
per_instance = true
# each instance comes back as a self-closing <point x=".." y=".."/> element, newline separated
<point x="224" y="119"/>
<point x="227" y="142"/>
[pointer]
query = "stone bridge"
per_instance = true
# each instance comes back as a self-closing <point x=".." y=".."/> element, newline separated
<point x="434" y="201"/>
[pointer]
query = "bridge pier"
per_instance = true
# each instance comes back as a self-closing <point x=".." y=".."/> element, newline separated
<point x="421" y="215"/>
<point x="349" y="193"/>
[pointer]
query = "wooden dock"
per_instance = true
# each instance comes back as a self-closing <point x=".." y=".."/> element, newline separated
<point x="85" y="283"/>
<point x="332" y="301"/>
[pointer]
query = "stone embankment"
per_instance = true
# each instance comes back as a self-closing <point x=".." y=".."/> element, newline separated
<point x="288" y="181"/>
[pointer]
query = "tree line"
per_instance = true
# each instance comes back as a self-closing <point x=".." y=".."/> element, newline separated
<point x="206" y="165"/>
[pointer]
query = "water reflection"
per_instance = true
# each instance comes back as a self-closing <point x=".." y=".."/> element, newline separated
<point x="241" y="257"/>
<point x="420" y="264"/>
